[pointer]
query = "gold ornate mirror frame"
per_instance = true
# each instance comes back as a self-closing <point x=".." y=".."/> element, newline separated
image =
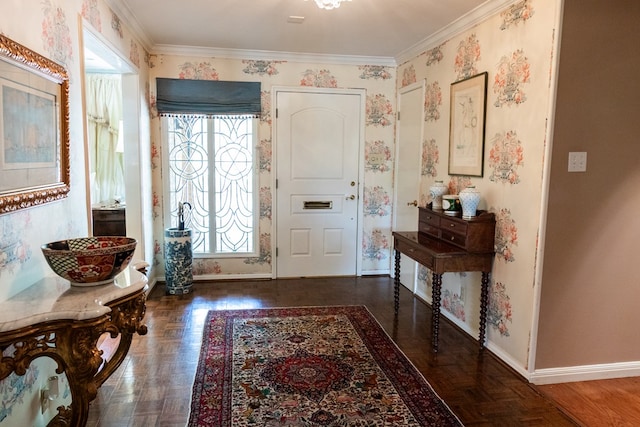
<point x="34" y="128"/>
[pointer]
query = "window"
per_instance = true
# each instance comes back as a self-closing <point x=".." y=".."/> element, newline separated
<point x="211" y="165"/>
<point x="209" y="135"/>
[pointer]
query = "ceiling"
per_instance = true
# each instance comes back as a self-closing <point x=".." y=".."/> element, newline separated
<point x="370" y="28"/>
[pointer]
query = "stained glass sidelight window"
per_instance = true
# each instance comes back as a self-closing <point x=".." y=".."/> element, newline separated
<point x="211" y="165"/>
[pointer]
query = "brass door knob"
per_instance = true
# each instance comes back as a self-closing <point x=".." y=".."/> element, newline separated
<point x="414" y="203"/>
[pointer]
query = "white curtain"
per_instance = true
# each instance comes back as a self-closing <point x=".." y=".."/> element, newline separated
<point x="104" y="116"/>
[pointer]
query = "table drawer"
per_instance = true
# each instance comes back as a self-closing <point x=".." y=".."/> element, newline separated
<point x="415" y="252"/>
<point x="459" y="226"/>
<point x="454" y="238"/>
<point x="475" y="235"/>
<point x="429" y="229"/>
<point x="429" y="217"/>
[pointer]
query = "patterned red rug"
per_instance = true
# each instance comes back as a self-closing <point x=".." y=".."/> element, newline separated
<point x="314" y="366"/>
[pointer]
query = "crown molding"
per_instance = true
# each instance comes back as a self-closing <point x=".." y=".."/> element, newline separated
<point x="460" y="25"/>
<point x="267" y="55"/>
<point x="129" y="19"/>
<point x="465" y="22"/>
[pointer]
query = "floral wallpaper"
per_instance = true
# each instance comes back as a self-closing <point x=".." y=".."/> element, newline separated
<point x="51" y="28"/>
<point x="379" y="82"/>
<point x="506" y="156"/>
<point x="515" y="47"/>
<point x="510" y="78"/>
<point x="14" y="249"/>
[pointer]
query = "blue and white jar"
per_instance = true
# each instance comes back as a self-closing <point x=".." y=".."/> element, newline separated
<point x="469" y="199"/>
<point x="178" y="260"/>
<point x="436" y="191"/>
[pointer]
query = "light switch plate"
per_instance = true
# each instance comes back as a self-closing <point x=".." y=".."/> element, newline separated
<point x="578" y="161"/>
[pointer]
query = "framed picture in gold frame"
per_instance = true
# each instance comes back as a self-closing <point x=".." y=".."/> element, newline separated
<point x="34" y="128"/>
<point x="468" y="103"/>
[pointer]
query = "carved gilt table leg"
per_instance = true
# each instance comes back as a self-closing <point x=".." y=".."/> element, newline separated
<point x="126" y="320"/>
<point x="73" y="345"/>
<point x="77" y="345"/>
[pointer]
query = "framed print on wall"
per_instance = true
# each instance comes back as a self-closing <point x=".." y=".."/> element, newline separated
<point x="34" y="128"/>
<point x="468" y="105"/>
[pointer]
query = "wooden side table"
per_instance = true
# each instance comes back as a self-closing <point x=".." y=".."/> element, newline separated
<point x="442" y="248"/>
<point x="54" y="319"/>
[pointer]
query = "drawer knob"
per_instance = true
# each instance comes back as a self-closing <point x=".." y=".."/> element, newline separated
<point x="452" y="225"/>
<point x="453" y="238"/>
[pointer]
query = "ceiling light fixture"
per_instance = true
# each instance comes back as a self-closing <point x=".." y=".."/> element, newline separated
<point x="329" y="4"/>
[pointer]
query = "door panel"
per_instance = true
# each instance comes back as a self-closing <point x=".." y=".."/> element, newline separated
<point x="408" y="158"/>
<point x="317" y="149"/>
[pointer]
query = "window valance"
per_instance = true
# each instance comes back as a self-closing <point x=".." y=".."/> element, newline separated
<point x="207" y="97"/>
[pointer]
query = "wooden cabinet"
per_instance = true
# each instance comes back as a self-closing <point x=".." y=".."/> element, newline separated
<point x="109" y="222"/>
<point x="474" y="235"/>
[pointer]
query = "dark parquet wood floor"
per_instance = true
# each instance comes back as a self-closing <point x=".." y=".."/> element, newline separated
<point x="153" y="385"/>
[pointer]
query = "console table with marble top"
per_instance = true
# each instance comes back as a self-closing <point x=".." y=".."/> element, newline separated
<point x="53" y="319"/>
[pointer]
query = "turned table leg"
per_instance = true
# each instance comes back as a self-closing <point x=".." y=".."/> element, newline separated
<point x="435" y="308"/>
<point x="484" y="302"/>
<point x="396" y="283"/>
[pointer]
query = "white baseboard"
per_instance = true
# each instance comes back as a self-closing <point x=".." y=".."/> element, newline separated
<point x="604" y="371"/>
<point x="376" y="273"/>
<point x="219" y="277"/>
<point x="255" y="276"/>
<point x="556" y="375"/>
<point x="497" y="351"/>
<point x="151" y="284"/>
<point x="459" y="323"/>
<point x="508" y="359"/>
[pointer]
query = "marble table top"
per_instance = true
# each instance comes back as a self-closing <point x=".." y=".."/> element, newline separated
<point x="53" y="298"/>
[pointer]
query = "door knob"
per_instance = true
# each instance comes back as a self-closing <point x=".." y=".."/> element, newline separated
<point x="414" y="203"/>
<point x="351" y="197"/>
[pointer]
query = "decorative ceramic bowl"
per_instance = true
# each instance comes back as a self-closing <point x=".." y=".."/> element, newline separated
<point x="89" y="261"/>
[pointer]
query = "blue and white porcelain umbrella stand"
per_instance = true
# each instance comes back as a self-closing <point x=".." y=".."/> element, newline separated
<point x="178" y="257"/>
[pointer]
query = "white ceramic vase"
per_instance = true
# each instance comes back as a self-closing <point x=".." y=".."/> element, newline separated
<point x="436" y="191"/>
<point x="469" y="199"/>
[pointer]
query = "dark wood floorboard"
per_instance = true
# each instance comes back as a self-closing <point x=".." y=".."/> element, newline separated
<point x="153" y="385"/>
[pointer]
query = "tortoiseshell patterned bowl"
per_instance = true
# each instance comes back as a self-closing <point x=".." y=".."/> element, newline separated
<point x="89" y="261"/>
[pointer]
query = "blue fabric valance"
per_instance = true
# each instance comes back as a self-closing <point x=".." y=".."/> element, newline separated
<point x="207" y="97"/>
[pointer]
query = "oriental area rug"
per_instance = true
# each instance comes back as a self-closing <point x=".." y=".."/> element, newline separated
<point x="310" y="366"/>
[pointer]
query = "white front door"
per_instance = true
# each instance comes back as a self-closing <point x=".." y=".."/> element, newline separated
<point x="318" y="136"/>
<point x="407" y="166"/>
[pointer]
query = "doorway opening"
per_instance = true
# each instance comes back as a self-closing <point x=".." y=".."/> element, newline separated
<point x="112" y="178"/>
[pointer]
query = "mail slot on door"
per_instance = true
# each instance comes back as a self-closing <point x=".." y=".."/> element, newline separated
<point x="314" y="204"/>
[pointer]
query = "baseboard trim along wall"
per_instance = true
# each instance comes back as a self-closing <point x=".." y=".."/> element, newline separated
<point x="585" y="373"/>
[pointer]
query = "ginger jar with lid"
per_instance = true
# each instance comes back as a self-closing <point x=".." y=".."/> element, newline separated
<point x="436" y="191"/>
<point x="469" y="199"/>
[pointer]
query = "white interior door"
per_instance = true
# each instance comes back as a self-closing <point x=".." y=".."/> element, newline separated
<point x="408" y="162"/>
<point x="318" y="136"/>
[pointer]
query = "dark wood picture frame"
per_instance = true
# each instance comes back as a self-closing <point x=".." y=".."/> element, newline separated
<point x="468" y="105"/>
